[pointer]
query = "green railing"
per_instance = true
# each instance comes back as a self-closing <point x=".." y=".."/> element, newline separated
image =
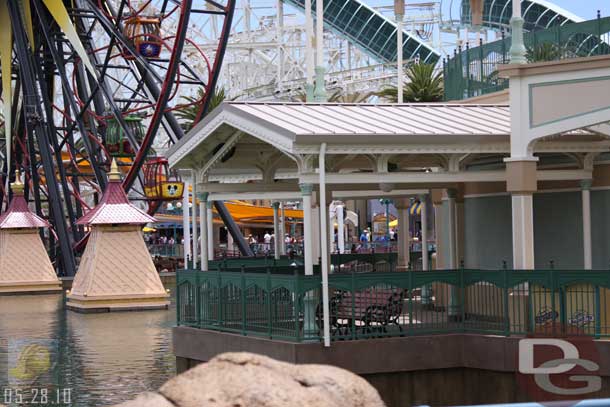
<point x="359" y="262"/>
<point x="474" y="71"/>
<point x="287" y="305"/>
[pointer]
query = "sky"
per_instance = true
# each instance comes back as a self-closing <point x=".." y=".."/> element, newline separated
<point x="586" y="9"/>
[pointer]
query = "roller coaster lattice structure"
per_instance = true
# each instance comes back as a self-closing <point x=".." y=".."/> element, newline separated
<point x="126" y="59"/>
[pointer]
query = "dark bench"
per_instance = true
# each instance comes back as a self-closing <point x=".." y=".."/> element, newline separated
<point x="372" y="309"/>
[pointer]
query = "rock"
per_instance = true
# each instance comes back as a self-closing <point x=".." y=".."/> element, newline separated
<point x="147" y="400"/>
<point x="249" y="380"/>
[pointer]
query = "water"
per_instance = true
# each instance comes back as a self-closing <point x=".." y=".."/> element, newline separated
<point x="95" y="359"/>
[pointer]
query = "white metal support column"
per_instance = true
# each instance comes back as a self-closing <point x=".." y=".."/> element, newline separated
<point x="280" y="43"/>
<point x="404" y="238"/>
<point x="186" y="223"/>
<point x="451" y="223"/>
<point x="424" y="232"/>
<point x="522" y="182"/>
<point x="282" y="226"/>
<point x="523" y="231"/>
<point x="425" y="293"/>
<point x="340" y="229"/>
<point x="306" y="190"/>
<point x="309" y="58"/>
<point x="438" y="233"/>
<point x="203" y="225"/>
<point x="277" y="232"/>
<point x="324" y="243"/>
<point x="399" y="11"/>
<point x="210" y="229"/>
<point x="450" y="256"/>
<point x="310" y="300"/>
<point x="194" y="215"/>
<point x="586" y="224"/>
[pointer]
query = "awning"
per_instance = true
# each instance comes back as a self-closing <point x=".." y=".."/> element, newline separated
<point x="240" y="211"/>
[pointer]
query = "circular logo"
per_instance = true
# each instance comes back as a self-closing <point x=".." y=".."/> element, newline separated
<point x="34" y="361"/>
<point x="558" y="362"/>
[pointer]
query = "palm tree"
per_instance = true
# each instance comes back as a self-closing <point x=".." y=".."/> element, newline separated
<point x="422" y="86"/>
<point x="544" y="52"/>
<point x="188" y="114"/>
<point x="339" y="96"/>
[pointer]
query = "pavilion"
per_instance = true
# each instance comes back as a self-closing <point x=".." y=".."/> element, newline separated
<point x="551" y="137"/>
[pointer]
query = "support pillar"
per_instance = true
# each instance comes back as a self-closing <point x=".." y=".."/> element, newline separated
<point x="308" y="221"/>
<point x="194" y="220"/>
<point x="460" y="227"/>
<point x="277" y="232"/>
<point x="585" y="184"/>
<point x="230" y="243"/>
<point x="210" y="229"/>
<point x="203" y="224"/>
<point x="362" y="211"/>
<point x="404" y="238"/>
<point x="521" y="183"/>
<point x="437" y="202"/>
<point x="424" y="232"/>
<point x="315" y="232"/>
<point x="450" y="254"/>
<point x="282" y="229"/>
<point x="399" y="12"/>
<point x="310" y="300"/>
<point x="186" y="224"/>
<point x="426" y="290"/>
<point x="340" y="229"/>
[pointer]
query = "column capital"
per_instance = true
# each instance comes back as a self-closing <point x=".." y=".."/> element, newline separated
<point x="585" y="184"/>
<point x="203" y="196"/>
<point x="275" y="205"/>
<point x="422" y="197"/>
<point x="521" y="176"/>
<point x="436" y="195"/>
<point x="451" y="193"/>
<point x="402" y="203"/>
<point x="209" y="204"/>
<point x="306" y="189"/>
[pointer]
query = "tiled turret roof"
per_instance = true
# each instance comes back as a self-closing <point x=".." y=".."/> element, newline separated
<point x="18" y="214"/>
<point x="114" y="207"/>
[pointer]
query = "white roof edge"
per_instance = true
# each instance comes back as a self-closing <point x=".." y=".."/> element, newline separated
<point x="559" y="10"/>
<point x="418" y="104"/>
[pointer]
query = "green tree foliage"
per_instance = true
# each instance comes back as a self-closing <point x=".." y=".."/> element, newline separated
<point x="423" y="85"/>
<point x="339" y="96"/>
<point x="188" y="114"/>
<point x="544" y="52"/>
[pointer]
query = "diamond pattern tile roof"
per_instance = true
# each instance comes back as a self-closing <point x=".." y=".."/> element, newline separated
<point x="19" y="215"/>
<point x="114" y="208"/>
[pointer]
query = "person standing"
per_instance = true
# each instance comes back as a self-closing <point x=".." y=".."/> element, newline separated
<point x="267" y="241"/>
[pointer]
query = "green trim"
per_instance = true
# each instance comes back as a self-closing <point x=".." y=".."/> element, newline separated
<point x="570" y="81"/>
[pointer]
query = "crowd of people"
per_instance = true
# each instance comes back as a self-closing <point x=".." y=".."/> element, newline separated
<point x="159" y="239"/>
<point x="267" y="243"/>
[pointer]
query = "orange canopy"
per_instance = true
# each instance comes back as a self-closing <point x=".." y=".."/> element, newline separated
<point x="242" y="212"/>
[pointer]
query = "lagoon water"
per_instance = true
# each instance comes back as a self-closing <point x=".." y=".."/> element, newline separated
<point x="80" y="360"/>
